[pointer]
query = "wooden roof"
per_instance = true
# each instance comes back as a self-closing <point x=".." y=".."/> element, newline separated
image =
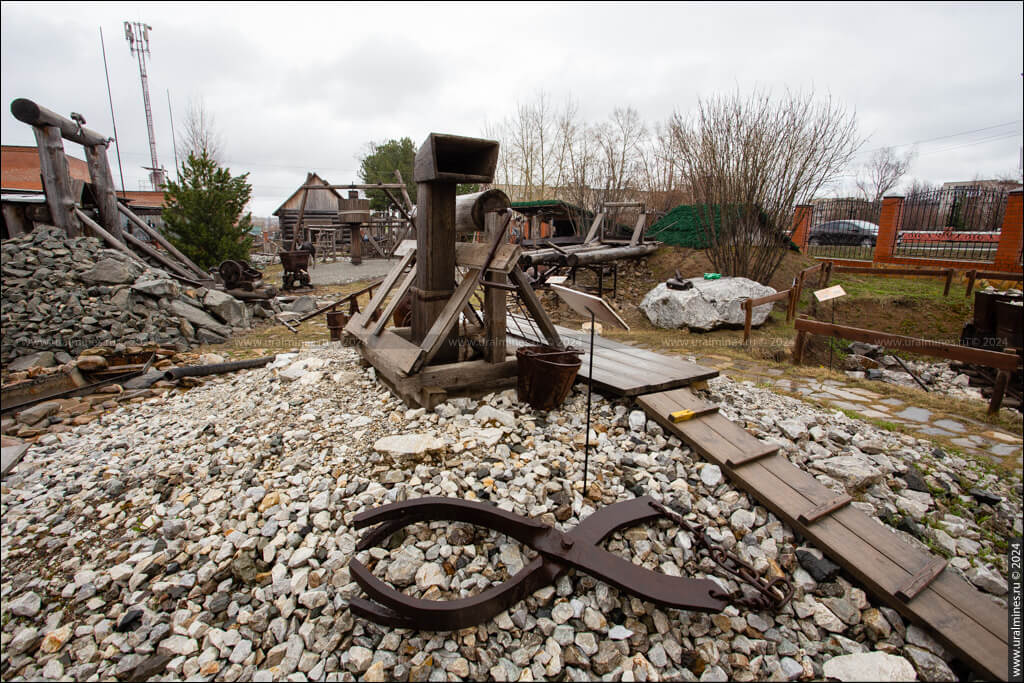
<point x="317" y="200"/>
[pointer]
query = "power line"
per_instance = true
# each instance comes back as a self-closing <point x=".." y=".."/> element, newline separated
<point x="944" y="137"/>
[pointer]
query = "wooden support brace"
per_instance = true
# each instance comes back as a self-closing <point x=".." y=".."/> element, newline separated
<point x="825" y="509"/>
<point x="949" y="281"/>
<point x="919" y="581"/>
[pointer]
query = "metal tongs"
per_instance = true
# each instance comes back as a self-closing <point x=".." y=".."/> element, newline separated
<point x="558" y="551"/>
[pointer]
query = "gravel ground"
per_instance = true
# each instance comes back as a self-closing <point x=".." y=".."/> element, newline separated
<point x="206" y="535"/>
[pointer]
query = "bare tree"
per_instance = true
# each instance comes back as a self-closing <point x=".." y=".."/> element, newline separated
<point x="200" y="133"/>
<point x="749" y="161"/>
<point x="883" y="172"/>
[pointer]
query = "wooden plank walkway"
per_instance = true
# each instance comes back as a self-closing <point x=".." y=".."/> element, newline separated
<point x="962" y="618"/>
<point x="619" y="369"/>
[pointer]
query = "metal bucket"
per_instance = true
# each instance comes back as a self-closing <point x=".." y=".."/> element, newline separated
<point x="336" y="321"/>
<point x="545" y="375"/>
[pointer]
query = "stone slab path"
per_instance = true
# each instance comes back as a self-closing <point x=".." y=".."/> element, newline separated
<point x="994" y="444"/>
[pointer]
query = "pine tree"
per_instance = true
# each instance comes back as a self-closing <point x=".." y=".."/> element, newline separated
<point x="204" y="209"/>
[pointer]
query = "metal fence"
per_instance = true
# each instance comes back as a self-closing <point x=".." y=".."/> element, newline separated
<point x="844" y="228"/>
<point x="956" y="223"/>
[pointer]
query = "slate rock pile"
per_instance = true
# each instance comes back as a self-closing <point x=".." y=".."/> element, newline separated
<point x="68" y="294"/>
<point x="206" y="536"/>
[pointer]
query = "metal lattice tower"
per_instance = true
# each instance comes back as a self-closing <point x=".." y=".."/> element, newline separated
<point x="137" y="35"/>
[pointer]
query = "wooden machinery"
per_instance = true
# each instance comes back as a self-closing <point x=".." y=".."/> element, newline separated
<point x="456" y="344"/>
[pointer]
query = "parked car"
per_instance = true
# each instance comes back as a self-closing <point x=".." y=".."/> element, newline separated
<point x="860" y="233"/>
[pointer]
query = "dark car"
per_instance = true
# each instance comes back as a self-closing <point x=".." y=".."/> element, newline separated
<point x="860" y="233"/>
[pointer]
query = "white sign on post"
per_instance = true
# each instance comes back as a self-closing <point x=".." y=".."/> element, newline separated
<point x="830" y="293"/>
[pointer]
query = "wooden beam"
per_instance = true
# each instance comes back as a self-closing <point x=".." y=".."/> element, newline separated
<point x="918" y="582"/>
<point x="53" y="166"/>
<point x="535" y="309"/>
<point x="106" y="236"/>
<point x="993" y="359"/>
<point x="495" y="311"/>
<point x="638" y="229"/>
<point x="594" y="227"/>
<point x="161" y="240"/>
<point x="469" y="255"/>
<point x="33" y="114"/>
<point x="395" y="302"/>
<point x="998" y="390"/>
<point x="360" y="320"/>
<point x="103" y="188"/>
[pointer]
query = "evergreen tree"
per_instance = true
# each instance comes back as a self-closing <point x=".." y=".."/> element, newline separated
<point x="203" y="212"/>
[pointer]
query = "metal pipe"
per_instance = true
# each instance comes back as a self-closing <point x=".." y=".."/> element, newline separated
<point x="216" y="368"/>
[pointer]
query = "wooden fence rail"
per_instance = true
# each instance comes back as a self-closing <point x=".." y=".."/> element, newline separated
<point x="947" y="273"/>
<point x="750" y="304"/>
<point x="1004" y="363"/>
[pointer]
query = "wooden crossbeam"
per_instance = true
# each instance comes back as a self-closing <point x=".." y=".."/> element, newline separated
<point x="919" y="581"/>
<point x="396" y="300"/>
<point x="825" y="509"/>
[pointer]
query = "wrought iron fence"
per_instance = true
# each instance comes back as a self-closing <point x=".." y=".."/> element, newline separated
<point x="844" y="228"/>
<point x="956" y="223"/>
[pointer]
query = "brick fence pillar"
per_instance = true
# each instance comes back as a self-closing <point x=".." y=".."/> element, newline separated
<point x="888" y="226"/>
<point x="801" y="224"/>
<point x="1010" y="237"/>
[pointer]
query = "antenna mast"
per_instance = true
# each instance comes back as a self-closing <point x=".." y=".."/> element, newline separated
<point x="137" y="35"/>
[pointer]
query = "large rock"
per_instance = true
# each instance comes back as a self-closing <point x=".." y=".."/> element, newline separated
<point x="198" y="317"/>
<point x="111" y="271"/>
<point x="409" y="445"/>
<point x="226" y="307"/>
<point x="158" y="287"/>
<point x="706" y="305"/>
<point x="40" y="359"/>
<point x="869" y="666"/>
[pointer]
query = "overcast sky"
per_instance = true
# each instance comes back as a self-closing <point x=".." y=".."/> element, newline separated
<point x="304" y="87"/>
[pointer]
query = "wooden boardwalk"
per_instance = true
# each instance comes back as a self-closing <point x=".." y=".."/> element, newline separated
<point x="620" y="369"/>
<point x="911" y="581"/>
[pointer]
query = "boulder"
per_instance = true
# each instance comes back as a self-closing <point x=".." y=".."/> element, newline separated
<point x="111" y="271"/>
<point x="708" y="304"/>
<point x="226" y="307"/>
<point x="869" y="666"/>
<point x="91" y="363"/>
<point x="40" y="359"/>
<point x="303" y="304"/>
<point x="409" y="445"/>
<point x="198" y="317"/>
<point x="158" y="287"/>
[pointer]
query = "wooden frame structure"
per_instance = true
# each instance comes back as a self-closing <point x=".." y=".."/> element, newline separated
<point x="51" y="129"/>
<point x="1004" y="363"/>
<point x="426" y="362"/>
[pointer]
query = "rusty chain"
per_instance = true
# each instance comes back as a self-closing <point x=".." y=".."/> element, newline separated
<point x="772" y="594"/>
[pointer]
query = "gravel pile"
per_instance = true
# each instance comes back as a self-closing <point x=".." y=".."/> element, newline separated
<point x="68" y="294"/>
<point x="206" y="535"/>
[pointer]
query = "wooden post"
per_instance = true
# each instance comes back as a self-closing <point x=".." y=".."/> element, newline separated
<point x="824" y="274"/>
<point x="1002" y="379"/>
<point x="494" y="302"/>
<point x="53" y="166"/>
<point x="103" y="187"/>
<point x="798" y="347"/>
<point x="435" y="249"/>
<point x="748" y="315"/>
<point x="949" y="281"/>
<point x="972" y="275"/>
<point x="296" y="236"/>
